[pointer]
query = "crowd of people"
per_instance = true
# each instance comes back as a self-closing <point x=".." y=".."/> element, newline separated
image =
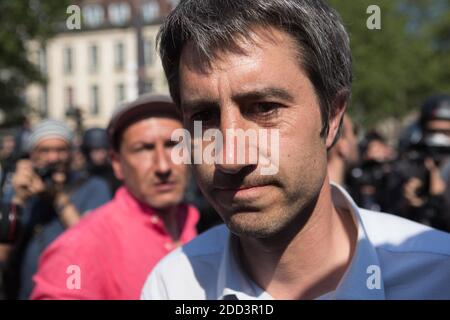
<point x="129" y="189"/>
<point x="94" y="216"/>
<point x="411" y="178"/>
<point x="52" y="183"/>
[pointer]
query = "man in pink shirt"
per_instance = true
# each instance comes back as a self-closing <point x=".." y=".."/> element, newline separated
<point x="109" y="254"/>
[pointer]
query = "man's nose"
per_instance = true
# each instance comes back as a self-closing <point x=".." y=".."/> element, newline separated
<point x="162" y="162"/>
<point x="53" y="156"/>
<point x="234" y="156"/>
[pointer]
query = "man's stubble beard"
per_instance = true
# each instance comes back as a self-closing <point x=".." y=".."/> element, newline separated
<point x="278" y="222"/>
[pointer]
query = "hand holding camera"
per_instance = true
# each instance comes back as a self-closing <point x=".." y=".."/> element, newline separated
<point x="26" y="182"/>
<point x="29" y="181"/>
<point x="437" y="184"/>
<point x="416" y="190"/>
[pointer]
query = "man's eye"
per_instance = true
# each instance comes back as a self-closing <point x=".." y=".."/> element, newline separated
<point x="170" y="144"/>
<point x="205" y="116"/>
<point x="264" y="109"/>
<point x="142" y="148"/>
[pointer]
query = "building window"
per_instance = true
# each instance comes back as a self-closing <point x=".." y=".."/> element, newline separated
<point x="69" y="99"/>
<point x="43" y="103"/>
<point x="119" y="13"/>
<point x="95" y="103"/>
<point x="42" y="60"/>
<point x="119" y="56"/>
<point x="93" y="15"/>
<point x="150" y="11"/>
<point x="68" y="60"/>
<point x="120" y="93"/>
<point x="148" y="86"/>
<point x="93" y="58"/>
<point x="149" y="52"/>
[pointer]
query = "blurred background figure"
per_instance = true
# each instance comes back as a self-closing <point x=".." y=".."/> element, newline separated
<point x="8" y="146"/>
<point x="118" y="244"/>
<point x="43" y="198"/>
<point x="95" y="148"/>
<point x="423" y="168"/>
<point x="78" y="162"/>
<point x="344" y="155"/>
<point x="7" y="156"/>
<point x="412" y="180"/>
<point x="375" y="148"/>
<point x="370" y="179"/>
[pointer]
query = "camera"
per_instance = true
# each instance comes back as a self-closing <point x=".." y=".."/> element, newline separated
<point x="413" y="166"/>
<point x="372" y="173"/>
<point x="369" y="184"/>
<point x="46" y="174"/>
<point x="437" y="146"/>
<point x="431" y="145"/>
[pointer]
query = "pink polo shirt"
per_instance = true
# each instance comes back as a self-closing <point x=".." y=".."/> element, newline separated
<point x="109" y="254"/>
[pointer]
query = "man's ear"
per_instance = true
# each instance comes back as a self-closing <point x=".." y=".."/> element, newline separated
<point x="116" y="165"/>
<point x="340" y="105"/>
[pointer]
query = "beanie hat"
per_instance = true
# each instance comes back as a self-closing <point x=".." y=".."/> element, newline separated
<point x="49" y="128"/>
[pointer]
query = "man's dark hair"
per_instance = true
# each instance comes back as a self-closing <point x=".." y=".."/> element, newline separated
<point x="214" y="26"/>
<point x="436" y="107"/>
<point x="371" y="136"/>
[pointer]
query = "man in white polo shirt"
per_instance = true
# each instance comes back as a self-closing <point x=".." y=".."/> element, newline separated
<point x="283" y="65"/>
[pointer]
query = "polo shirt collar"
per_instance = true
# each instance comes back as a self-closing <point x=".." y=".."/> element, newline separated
<point x="233" y="283"/>
<point x="356" y="282"/>
<point x="131" y="206"/>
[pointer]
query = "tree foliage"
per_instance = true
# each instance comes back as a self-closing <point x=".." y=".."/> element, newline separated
<point x="20" y="22"/>
<point x="398" y="66"/>
<point x="395" y="68"/>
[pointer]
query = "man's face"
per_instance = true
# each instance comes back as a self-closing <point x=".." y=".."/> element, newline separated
<point x="265" y="88"/>
<point x="99" y="156"/>
<point x="9" y="144"/>
<point x="438" y="126"/>
<point x="144" y="163"/>
<point x="379" y="151"/>
<point x="437" y="132"/>
<point x="53" y="152"/>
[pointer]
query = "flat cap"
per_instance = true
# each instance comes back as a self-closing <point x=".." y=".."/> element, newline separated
<point x="146" y="106"/>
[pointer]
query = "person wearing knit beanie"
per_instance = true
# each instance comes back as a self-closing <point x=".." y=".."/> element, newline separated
<point x="49" y="195"/>
<point x="49" y="128"/>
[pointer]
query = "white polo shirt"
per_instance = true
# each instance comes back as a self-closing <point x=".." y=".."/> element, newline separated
<point x="394" y="259"/>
